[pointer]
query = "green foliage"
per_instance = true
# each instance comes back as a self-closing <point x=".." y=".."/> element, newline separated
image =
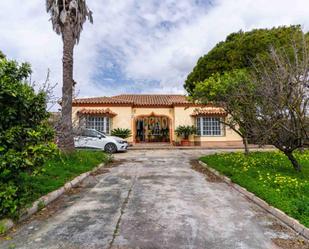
<point x="232" y="90"/>
<point x="185" y="131"/>
<point x="218" y="87"/>
<point x="61" y="169"/>
<point x="239" y="50"/>
<point x="2" y="227"/>
<point x="269" y="176"/>
<point x="2" y="56"/>
<point x="123" y="133"/>
<point x="25" y="137"/>
<point x="41" y="205"/>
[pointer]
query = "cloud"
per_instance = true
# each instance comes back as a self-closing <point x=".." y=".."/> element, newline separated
<point x="137" y="46"/>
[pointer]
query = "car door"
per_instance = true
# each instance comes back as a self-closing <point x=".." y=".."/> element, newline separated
<point x="80" y="140"/>
<point x="99" y="140"/>
<point x="86" y="139"/>
<point x="92" y="139"/>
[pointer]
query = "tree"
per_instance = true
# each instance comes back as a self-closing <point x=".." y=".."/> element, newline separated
<point x="68" y="17"/>
<point x="2" y="56"/>
<point x="239" y="51"/>
<point x="282" y="100"/>
<point x="25" y="137"/>
<point x="233" y="91"/>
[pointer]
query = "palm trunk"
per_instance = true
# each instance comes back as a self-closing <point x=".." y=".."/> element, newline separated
<point x="246" y="146"/>
<point x="293" y="160"/>
<point x="66" y="138"/>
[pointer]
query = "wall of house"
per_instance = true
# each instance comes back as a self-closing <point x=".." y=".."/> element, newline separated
<point x="179" y="116"/>
<point x="183" y="117"/>
<point x="169" y="112"/>
<point x="123" y="119"/>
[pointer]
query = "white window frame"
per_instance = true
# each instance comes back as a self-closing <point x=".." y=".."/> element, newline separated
<point x="207" y="126"/>
<point x="99" y="123"/>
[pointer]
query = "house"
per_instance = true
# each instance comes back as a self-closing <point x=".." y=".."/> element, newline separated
<point x="154" y="118"/>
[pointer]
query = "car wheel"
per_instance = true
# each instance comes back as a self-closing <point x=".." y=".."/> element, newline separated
<point x="110" y="148"/>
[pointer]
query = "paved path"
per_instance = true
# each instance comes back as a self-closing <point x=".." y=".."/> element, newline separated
<point x="152" y="200"/>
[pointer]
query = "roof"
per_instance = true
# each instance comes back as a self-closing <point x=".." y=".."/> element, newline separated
<point x="138" y="100"/>
<point x="96" y="112"/>
<point x="100" y="100"/>
<point x="209" y="111"/>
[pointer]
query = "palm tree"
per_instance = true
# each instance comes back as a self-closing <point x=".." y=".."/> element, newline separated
<point x="68" y="17"/>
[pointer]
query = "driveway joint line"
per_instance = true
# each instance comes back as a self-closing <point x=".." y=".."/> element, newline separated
<point x="122" y="210"/>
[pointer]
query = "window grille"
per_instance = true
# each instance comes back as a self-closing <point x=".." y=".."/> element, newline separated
<point x="98" y="123"/>
<point x="209" y="126"/>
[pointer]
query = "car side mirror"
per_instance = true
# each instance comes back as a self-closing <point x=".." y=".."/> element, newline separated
<point x="100" y="136"/>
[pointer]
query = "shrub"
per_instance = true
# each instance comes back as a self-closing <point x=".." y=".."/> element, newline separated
<point x="25" y="137"/>
<point x="123" y="133"/>
<point x="185" y="131"/>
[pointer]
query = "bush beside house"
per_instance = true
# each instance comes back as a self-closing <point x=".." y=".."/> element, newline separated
<point x="123" y="133"/>
<point x="25" y="136"/>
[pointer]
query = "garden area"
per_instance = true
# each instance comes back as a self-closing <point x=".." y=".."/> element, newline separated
<point x="270" y="176"/>
<point x="55" y="173"/>
<point x="60" y="170"/>
<point x="31" y="165"/>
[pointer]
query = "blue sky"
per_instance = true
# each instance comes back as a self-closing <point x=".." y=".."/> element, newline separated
<point x="136" y="46"/>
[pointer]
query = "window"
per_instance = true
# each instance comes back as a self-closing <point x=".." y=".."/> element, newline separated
<point x="99" y="123"/>
<point x="91" y="133"/>
<point x="209" y="126"/>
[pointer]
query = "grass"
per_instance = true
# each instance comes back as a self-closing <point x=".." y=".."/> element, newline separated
<point x="271" y="177"/>
<point x="60" y="170"/>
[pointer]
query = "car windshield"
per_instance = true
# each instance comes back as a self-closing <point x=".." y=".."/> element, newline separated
<point x="92" y="133"/>
<point x="101" y="133"/>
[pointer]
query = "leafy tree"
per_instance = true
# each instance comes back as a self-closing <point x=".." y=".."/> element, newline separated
<point x="123" y="133"/>
<point x="233" y="91"/>
<point x="25" y="138"/>
<point x="239" y="51"/>
<point x="282" y="100"/>
<point x="2" y="56"/>
<point x="68" y="17"/>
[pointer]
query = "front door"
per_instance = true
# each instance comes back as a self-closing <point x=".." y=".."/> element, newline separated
<point x="152" y="129"/>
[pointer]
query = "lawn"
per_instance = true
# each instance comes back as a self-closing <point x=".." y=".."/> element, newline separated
<point x="270" y="176"/>
<point x="60" y="170"/>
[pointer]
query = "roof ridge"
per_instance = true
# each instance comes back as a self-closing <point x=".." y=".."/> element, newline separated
<point x="92" y="97"/>
<point x="137" y="99"/>
<point x="149" y="94"/>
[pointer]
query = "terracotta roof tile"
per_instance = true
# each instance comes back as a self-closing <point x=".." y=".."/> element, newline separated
<point x="209" y="111"/>
<point x="138" y="99"/>
<point x="100" y="100"/>
<point x="97" y="112"/>
<point x="150" y="100"/>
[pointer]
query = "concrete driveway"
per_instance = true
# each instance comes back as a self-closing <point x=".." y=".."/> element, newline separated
<point x="152" y="200"/>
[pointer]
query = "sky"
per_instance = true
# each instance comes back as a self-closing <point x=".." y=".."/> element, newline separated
<point x="135" y="46"/>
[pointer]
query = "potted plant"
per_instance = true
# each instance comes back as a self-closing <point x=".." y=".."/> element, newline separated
<point x="120" y="132"/>
<point x="184" y="131"/>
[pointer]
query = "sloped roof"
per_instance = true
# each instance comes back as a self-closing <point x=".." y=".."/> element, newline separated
<point x="100" y="100"/>
<point x="96" y="112"/>
<point x="138" y="100"/>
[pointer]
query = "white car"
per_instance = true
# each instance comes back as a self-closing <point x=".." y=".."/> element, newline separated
<point x="91" y="138"/>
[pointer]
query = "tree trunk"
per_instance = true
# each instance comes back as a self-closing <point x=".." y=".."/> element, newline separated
<point x="246" y="147"/>
<point x="293" y="160"/>
<point x="65" y="135"/>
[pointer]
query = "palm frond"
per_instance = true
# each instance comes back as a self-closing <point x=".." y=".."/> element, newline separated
<point x="69" y="12"/>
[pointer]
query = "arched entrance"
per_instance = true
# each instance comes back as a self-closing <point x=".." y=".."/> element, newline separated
<point x="152" y="128"/>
